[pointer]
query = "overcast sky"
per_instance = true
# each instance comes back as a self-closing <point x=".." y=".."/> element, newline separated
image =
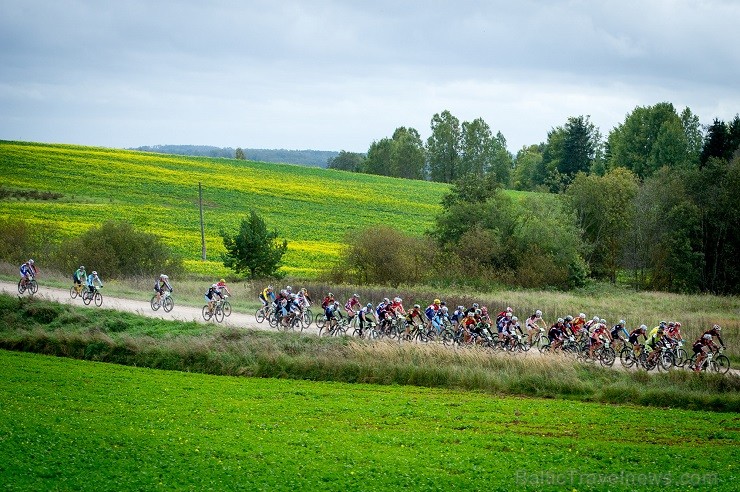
<point x="337" y="75"/>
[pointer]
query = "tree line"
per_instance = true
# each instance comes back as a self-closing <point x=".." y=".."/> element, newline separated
<point x="653" y="203"/>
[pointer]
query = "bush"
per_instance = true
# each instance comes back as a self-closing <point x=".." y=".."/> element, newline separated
<point x="116" y="249"/>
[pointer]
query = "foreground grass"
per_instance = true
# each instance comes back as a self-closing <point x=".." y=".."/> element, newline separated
<point x="101" y="335"/>
<point x="79" y="425"/>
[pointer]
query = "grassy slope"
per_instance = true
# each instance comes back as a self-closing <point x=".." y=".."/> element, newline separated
<point x="312" y="208"/>
<point x="75" y="425"/>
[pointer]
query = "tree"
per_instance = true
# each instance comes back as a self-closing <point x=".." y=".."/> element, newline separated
<point x="408" y="156"/>
<point x="443" y="147"/>
<point x="346" y="161"/>
<point x="239" y="154"/>
<point x="527" y="162"/>
<point x="571" y="149"/>
<point x="379" y="157"/>
<point x="253" y="249"/>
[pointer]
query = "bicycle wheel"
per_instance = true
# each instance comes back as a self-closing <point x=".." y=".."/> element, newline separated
<point x="98" y="297"/>
<point x="681" y="357"/>
<point x="544" y="347"/>
<point x="721" y="364"/>
<point x="33" y="286"/>
<point x="21" y="287"/>
<point x="666" y="361"/>
<point x="226" y="307"/>
<point x="87" y="297"/>
<point x="168" y="304"/>
<point x="219" y="313"/>
<point x="690" y="364"/>
<point x="307" y="318"/>
<point x="154" y="303"/>
<point x="320" y="320"/>
<point x="259" y="315"/>
<point x="207" y="314"/>
<point x="608" y="356"/>
<point x="274" y="320"/>
<point x="626" y="357"/>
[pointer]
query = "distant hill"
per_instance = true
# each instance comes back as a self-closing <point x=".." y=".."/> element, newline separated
<point x="316" y="158"/>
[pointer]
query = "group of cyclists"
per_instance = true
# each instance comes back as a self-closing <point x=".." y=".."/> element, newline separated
<point x="475" y="324"/>
<point x="82" y="280"/>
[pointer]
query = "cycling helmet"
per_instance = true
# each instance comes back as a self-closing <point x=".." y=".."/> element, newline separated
<point x="561" y="320"/>
<point x="460" y="308"/>
<point x="369" y="306"/>
<point x="269" y="287"/>
<point x="477" y="311"/>
<point x="514" y="319"/>
<point x="475" y="305"/>
<point x="329" y="295"/>
<point x="582" y="315"/>
<point x="671" y="323"/>
<point x="397" y="299"/>
<point x="82" y="267"/>
<point x="30" y="262"/>
<point x="95" y="274"/>
<point x="437" y="301"/>
<point x="223" y="281"/>
<point x="444" y="309"/>
<point x="596" y="319"/>
<point x="621" y="322"/>
<point x="356" y="296"/>
<point x="212" y="285"/>
<point x="717" y="327"/>
<point x="643" y="328"/>
<point x="602" y="321"/>
<point x="336" y="303"/>
<point x="386" y="300"/>
<point x="569" y="318"/>
<point x="707" y="336"/>
<point x="538" y="313"/>
<point x="289" y="288"/>
<point x="509" y="314"/>
<point x="509" y="310"/>
<point x="662" y="323"/>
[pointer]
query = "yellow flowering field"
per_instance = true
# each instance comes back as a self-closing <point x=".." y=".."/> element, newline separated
<point x="310" y="207"/>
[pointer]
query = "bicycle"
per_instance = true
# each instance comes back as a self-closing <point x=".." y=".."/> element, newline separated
<point x="76" y="291"/>
<point x="29" y="285"/>
<point x="336" y="327"/>
<point x="217" y="313"/>
<point x="165" y="302"/>
<point x="628" y="357"/>
<point x="91" y="294"/>
<point x="715" y="361"/>
<point x="369" y="332"/>
<point x="663" y="361"/>
<point x="264" y="313"/>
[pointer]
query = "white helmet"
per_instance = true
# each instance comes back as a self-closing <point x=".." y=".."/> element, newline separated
<point x="582" y="315"/>
<point x="538" y="313"/>
<point x="30" y="262"/>
<point x="95" y="274"/>
<point x="514" y="319"/>
<point x="707" y="336"/>
<point x="596" y="319"/>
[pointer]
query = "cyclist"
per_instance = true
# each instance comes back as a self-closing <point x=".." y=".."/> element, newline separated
<point x="28" y="271"/>
<point x="352" y="306"/>
<point x="661" y="326"/>
<point x="411" y="318"/>
<point x="267" y="296"/>
<point x="332" y="314"/>
<point x="221" y="285"/>
<point x="457" y="316"/>
<point x="715" y="332"/>
<point x="468" y="324"/>
<point x="78" y="277"/>
<point x="328" y="300"/>
<point x="674" y="331"/>
<point x="619" y="330"/>
<point x="701" y="347"/>
<point x="654" y="343"/>
<point x="210" y="297"/>
<point x="363" y="314"/>
<point x="634" y="335"/>
<point x="163" y="282"/>
<point x="431" y="311"/>
<point x="91" y="279"/>
<point x="578" y="324"/>
<point x="438" y="320"/>
<point x="555" y="334"/>
<point x="596" y="342"/>
<point x="532" y="326"/>
<point x="397" y="306"/>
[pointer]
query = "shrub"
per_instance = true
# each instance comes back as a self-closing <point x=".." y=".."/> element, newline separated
<point x="116" y="249"/>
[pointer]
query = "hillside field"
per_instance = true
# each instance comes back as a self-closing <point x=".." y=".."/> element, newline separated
<point x="80" y="425"/>
<point x="311" y="208"/>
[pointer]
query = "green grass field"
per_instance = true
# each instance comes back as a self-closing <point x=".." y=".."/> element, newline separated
<point x="77" y="425"/>
<point x="311" y="208"/>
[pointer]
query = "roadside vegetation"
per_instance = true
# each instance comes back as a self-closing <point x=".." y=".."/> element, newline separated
<point x="34" y="325"/>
